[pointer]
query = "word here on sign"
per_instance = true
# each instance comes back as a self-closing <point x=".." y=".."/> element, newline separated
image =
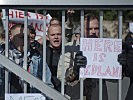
<point x="101" y="56"/>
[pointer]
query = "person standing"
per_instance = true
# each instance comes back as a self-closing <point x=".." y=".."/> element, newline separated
<point x="74" y="60"/>
<point x="53" y="52"/>
<point x="126" y="60"/>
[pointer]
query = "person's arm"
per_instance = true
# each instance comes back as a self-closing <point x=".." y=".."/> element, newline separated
<point x="69" y="22"/>
<point x="69" y="26"/>
<point x="72" y="73"/>
<point x="126" y="57"/>
<point x="66" y="65"/>
<point x="59" y="69"/>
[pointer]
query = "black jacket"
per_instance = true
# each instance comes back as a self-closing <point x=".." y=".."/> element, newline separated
<point x="52" y="59"/>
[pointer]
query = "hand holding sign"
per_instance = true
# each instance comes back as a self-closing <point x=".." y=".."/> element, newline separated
<point x="79" y="61"/>
<point x="101" y="56"/>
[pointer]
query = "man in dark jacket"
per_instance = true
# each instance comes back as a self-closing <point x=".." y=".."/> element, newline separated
<point x="53" y="51"/>
<point x="126" y="60"/>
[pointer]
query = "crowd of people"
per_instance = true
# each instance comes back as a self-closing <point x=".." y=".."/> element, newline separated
<point x="73" y="59"/>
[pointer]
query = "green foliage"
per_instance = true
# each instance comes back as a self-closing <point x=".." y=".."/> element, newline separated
<point x="128" y="15"/>
<point x="110" y="15"/>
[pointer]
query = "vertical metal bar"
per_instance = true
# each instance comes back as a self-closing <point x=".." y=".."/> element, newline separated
<point x="44" y="47"/>
<point x="81" y="88"/>
<point x="6" y="51"/>
<point x="120" y="24"/>
<point x="120" y="36"/>
<point x="25" y="46"/>
<point x="63" y="51"/>
<point x="82" y="23"/>
<point x="101" y="23"/>
<point x="82" y="35"/>
<point x="101" y="35"/>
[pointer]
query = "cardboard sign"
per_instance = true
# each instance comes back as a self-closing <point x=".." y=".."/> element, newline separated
<point x="34" y="19"/>
<point x="101" y="56"/>
<point x="24" y="96"/>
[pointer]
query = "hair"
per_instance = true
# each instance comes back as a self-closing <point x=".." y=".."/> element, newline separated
<point x="31" y="29"/>
<point x="91" y="17"/>
<point x="55" y="20"/>
<point x="53" y="26"/>
<point x="12" y="29"/>
<point x="16" y="38"/>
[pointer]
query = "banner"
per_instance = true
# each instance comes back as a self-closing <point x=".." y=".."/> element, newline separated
<point x="101" y="56"/>
<point x="34" y="19"/>
<point x="24" y="96"/>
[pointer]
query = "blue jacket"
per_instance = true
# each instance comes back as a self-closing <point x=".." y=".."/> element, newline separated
<point x="36" y="68"/>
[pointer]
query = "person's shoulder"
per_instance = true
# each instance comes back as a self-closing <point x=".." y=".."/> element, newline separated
<point x="48" y="48"/>
<point x="69" y="44"/>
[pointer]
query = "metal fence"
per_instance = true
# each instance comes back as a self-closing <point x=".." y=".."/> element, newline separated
<point x="42" y="5"/>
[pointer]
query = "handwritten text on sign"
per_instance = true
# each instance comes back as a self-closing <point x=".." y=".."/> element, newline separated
<point x="101" y="56"/>
<point x="34" y="19"/>
<point x="24" y="96"/>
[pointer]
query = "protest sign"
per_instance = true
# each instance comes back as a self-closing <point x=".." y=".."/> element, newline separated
<point x="101" y="56"/>
<point x="24" y="96"/>
<point x="34" y="19"/>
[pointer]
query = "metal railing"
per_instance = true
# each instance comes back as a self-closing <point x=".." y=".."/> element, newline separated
<point x="22" y="73"/>
<point x="33" y="80"/>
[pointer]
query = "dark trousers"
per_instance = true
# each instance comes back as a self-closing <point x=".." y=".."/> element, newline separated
<point x="95" y="91"/>
<point x="130" y="91"/>
<point x="15" y="85"/>
<point x="91" y="90"/>
<point x="73" y="91"/>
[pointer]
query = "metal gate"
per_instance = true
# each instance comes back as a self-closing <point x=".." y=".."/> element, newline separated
<point x="61" y="5"/>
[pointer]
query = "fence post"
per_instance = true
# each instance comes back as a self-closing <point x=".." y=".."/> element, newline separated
<point x="101" y="36"/>
<point x="25" y="46"/>
<point x="82" y="35"/>
<point x="63" y="51"/>
<point x="7" y="84"/>
<point x="44" y="47"/>
<point x="120" y="36"/>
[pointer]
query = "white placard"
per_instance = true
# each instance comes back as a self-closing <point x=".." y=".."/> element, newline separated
<point x="24" y="96"/>
<point x="34" y="19"/>
<point x="131" y="27"/>
<point x="101" y="56"/>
